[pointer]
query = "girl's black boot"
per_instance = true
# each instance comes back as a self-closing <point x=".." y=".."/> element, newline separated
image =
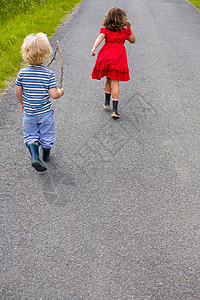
<point x="46" y="154"/>
<point x="36" y="162"/>
<point x="115" y="113"/>
<point x="107" y="100"/>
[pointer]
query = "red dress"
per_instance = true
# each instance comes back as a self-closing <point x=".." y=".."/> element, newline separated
<point x="112" y="60"/>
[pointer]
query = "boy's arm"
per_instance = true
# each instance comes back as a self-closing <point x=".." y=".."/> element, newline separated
<point x="56" y="93"/>
<point x="132" y="36"/>
<point x="97" y="42"/>
<point x="18" y="93"/>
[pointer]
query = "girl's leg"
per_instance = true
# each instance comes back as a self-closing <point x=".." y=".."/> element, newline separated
<point x="107" y="92"/>
<point x="108" y="85"/>
<point x="115" y="88"/>
<point x="115" y="97"/>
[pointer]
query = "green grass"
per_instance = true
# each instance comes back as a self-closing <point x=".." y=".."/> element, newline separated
<point x="18" y="18"/>
<point x="195" y="3"/>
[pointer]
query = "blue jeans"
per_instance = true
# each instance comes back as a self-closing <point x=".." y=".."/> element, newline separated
<point x="39" y="129"/>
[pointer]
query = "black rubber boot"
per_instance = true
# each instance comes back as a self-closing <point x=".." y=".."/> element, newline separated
<point x="107" y="100"/>
<point x="115" y="113"/>
<point x="46" y="154"/>
<point x="36" y="162"/>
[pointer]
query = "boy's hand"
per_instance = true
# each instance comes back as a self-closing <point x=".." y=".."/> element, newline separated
<point x="61" y="92"/>
<point x="93" y="52"/>
<point x="56" y="93"/>
<point x="22" y="107"/>
<point x="128" y="24"/>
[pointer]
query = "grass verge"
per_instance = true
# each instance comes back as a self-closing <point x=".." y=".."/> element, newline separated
<point x="195" y="3"/>
<point x="20" y="18"/>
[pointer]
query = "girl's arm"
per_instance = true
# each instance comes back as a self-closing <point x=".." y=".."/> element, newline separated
<point x="56" y="93"/>
<point x="18" y="93"/>
<point x="132" y="36"/>
<point x="97" y="42"/>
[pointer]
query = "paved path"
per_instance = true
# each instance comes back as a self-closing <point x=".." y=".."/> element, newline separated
<point x="116" y="215"/>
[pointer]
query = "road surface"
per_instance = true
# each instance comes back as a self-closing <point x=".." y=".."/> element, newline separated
<point x="116" y="215"/>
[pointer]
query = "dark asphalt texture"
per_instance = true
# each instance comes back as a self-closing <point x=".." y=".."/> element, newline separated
<point x="116" y="215"/>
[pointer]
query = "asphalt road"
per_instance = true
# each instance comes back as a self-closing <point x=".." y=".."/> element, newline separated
<point x="116" y="215"/>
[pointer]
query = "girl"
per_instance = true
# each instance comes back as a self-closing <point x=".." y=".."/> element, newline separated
<point x="33" y="87"/>
<point x="112" y="60"/>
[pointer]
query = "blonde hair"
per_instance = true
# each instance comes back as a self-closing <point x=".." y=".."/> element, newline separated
<point x="115" y="19"/>
<point x="36" y="49"/>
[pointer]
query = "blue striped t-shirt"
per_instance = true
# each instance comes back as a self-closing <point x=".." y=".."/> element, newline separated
<point x="36" y="82"/>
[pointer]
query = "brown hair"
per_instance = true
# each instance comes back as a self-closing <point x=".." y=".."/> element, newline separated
<point x="36" y="49"/>
<point x="115" y="19"/>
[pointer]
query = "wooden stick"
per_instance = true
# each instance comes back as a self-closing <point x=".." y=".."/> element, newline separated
<point x="61" y="56"/>
<point x="58" y="48"/>
<point x="54" y="57"/>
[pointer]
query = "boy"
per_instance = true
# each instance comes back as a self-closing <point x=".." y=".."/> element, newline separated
<point x="33" y="87"/>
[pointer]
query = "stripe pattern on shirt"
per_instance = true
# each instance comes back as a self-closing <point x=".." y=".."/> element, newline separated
<point x="36" y="82"/>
